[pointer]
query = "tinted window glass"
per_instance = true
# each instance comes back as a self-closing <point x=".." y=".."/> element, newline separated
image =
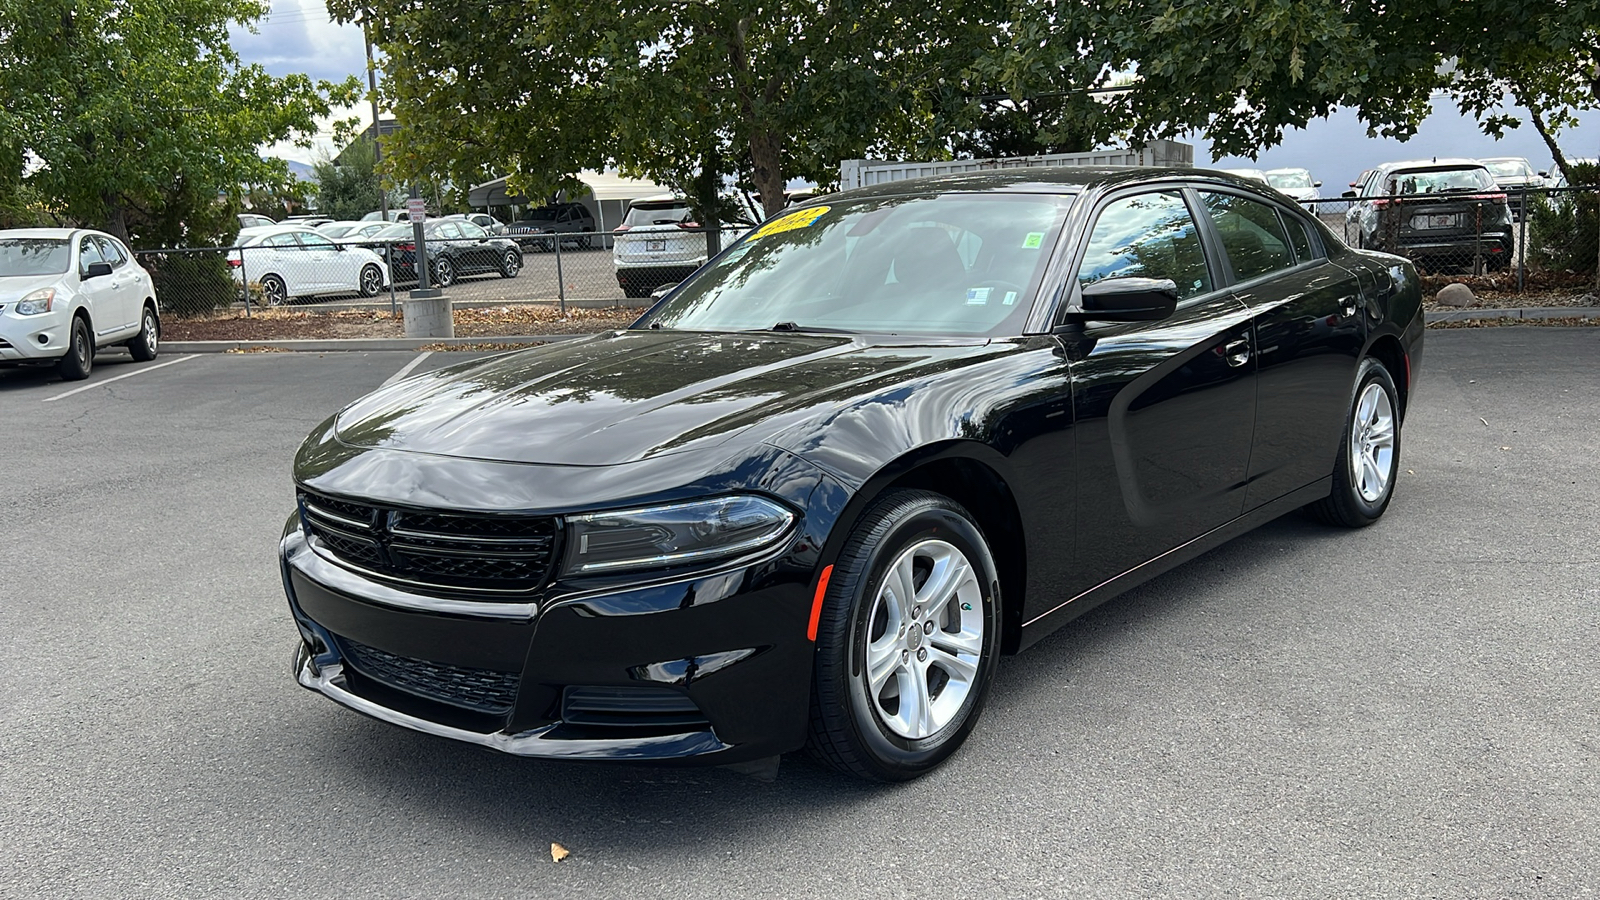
<point x="1281" y="180"/>
<point x="1251" y="235"/>
<point x="111" y="252"/>
<point x="1147" y="236"/>
<point x="34" y="256"/>
<point x="965" y="264"/>
<point x="1439" y="181"/>
<point x="657" y="214"/>
<point x="88" y="255"/>
<point x="472" y="231"/>
<point x="448" y="231"/>
<point x="1299" y="237"/>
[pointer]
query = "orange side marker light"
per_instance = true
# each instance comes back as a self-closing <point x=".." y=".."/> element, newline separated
<point x="816" y="603"/>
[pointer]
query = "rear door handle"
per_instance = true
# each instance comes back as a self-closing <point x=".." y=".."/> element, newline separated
<point x="1237" y="353"/>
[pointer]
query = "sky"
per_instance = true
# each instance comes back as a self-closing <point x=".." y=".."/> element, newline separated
<point x="297" y="36"/>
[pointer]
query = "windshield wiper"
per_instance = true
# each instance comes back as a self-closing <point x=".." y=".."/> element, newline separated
<point x="794" y="326"/>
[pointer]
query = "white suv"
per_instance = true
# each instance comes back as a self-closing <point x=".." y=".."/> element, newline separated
<point x="660" y="243"/>
<point x="65" y="292"/>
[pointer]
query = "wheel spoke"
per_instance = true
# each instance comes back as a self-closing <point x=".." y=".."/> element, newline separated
<point x="883" y="659"/>
<point x="921" y="713"/>
<point x="899" y="590"/>
<point x="944" y="583"/>
<point x="960" y="668"/>
<point x="967" y="642"/>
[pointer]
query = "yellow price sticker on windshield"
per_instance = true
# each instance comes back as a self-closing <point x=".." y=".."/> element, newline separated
<point x="799" y="219"/>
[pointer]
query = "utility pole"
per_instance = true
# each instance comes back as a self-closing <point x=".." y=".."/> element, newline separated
<point x="372" y="93"/>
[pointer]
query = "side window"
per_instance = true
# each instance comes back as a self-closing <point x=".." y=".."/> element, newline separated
<point x="1251" y="234"/>
<point x="448" y="231"/>
<point x="284" y="241"/>
<point x="88" y="254"/>
<point x="1147" y="236"/>
<point x="111" y="252"/>
<point x="472" y="231"/>
<point x="315" y="242"/>
<point x="1299" y="237"/>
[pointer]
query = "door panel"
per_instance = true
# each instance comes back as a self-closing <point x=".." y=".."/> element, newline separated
<point x="1165" y="415"/>
<point x="1308" y="336"/>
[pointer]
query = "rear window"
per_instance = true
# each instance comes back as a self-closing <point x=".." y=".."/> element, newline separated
<point x="1439" y="181"/>
<point x="1510" y="168"/>
<point x="656" y="214"/>
<point x="34" y="256"/>
<point x="1282" y="180"/>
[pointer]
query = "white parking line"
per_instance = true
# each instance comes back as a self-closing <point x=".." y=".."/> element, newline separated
<point x="140" y="371"/>
<point x="408" y="367"/>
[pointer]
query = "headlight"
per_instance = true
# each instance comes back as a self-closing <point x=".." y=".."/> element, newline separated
<point x="672" y="535"/>
<point x="37" y="302"/>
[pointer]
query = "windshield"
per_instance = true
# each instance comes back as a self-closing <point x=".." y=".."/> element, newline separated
<point x="1282" y="180"/>
<point x="1510" y="168"/>
<point x="656" y="214"/>
<point x="397" y="232"/>
<point x="962" y="264"/>
<point x="1438" y="181"/>
<point x="540" y="215"/>
<point x="34" y="256"/>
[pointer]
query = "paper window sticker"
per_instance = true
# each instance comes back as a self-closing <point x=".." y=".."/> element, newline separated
<point x="798" y="219"/>
<point x="1011" y="297"/>
<point x="1033" y="241"/>
<point x="978" y="296"/>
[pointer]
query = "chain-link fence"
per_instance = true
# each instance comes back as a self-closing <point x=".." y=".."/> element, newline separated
<point x="302" y="266"/>
<point x="1522" y="239"/>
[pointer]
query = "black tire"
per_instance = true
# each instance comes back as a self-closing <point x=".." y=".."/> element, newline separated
<point x="632" y="289"/>
<point x="79" y="361"/>
<point x="370" y="281"/>
<point x="510" y="264"/>
<point x="444" y="272"/>
<point x="850" y="729"/>
<point x="273" y="291"/>
<point x="147" y="343"/>
<point x="1348" y="505"/>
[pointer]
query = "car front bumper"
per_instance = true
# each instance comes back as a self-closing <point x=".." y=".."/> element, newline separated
<point x="28" y="338"/>
<point x="713" y="668"/>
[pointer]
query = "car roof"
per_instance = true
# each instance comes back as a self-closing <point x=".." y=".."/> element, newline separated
<point x="1437" y="163"/>
<point x="1052" y="180"/>
<point x="1490" y="159"/>
<point x="673" y="199"/>
<point x="62" y="233"/>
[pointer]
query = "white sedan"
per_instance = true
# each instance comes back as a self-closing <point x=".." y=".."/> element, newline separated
<point x="298" y="262"/>
<point x="64" y="292"/>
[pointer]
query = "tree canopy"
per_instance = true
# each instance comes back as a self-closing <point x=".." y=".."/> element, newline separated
<point x="692" y="94"/>
<point x="139" y="118"/>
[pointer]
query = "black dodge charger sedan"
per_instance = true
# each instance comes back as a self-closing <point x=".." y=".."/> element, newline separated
<point x="814" y="493"/>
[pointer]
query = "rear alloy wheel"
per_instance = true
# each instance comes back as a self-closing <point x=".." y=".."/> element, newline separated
<point x="273" y="291"/>
<point x="147" y="342"/>
<point x="78" y="362"/>
<point x="907" y="640"/>
<point x="1369" y="454"/>
<point x="510" y="264"/>
<point x="444" y="273"/>
<point x="371" y="281"/>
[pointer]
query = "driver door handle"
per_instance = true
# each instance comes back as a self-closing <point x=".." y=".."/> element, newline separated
<point x="1237" y="353"/>
<point x="1348" y="306"/>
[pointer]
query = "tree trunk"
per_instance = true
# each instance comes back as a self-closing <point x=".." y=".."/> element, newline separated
<point x="766" y="158"/>
<point x="116" y="223"/>
<point x="1544" y="132"/>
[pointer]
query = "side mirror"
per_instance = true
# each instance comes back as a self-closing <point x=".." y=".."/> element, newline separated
<point x="662" y="291"/>
<point x="1316" y="184"/>
<point x="1129" y="299"/>
<point x="97" y="270"/>
<point x="1348" y="194"/>
<point x="1544" y="174"/>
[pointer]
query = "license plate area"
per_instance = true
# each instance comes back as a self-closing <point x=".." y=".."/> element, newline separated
<point x="1434" y="222"/>
<point x="655" y="246"/>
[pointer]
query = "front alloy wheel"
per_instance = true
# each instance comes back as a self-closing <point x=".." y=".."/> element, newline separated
<point x="907" y="639"/>
<point x="444" y="273"/>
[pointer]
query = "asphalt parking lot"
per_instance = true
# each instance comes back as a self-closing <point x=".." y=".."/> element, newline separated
<point x="1405" y="711"/>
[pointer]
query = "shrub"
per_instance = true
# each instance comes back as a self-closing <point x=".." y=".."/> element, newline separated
<point x="1564" y="228"/>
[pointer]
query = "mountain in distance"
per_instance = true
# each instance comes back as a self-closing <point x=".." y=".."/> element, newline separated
<point x="298" y="169"/>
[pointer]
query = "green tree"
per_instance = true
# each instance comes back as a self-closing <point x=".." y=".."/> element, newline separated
<point x="141" y="114"/>
<point x="688" y="94"/>
<point x="350" y="187"/>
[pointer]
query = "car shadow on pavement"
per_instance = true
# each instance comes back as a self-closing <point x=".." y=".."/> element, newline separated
<point x="620" y="810"/>
<point x="23" y="377"/>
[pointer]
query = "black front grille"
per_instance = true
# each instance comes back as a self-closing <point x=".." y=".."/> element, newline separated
<point x="631" y="707"/>
<point x="445" y="550"/>
<point x="480" y="690"/>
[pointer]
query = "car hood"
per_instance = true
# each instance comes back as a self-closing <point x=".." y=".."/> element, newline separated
<point x="630" y="395"/>
<point x="14" y="287"/>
